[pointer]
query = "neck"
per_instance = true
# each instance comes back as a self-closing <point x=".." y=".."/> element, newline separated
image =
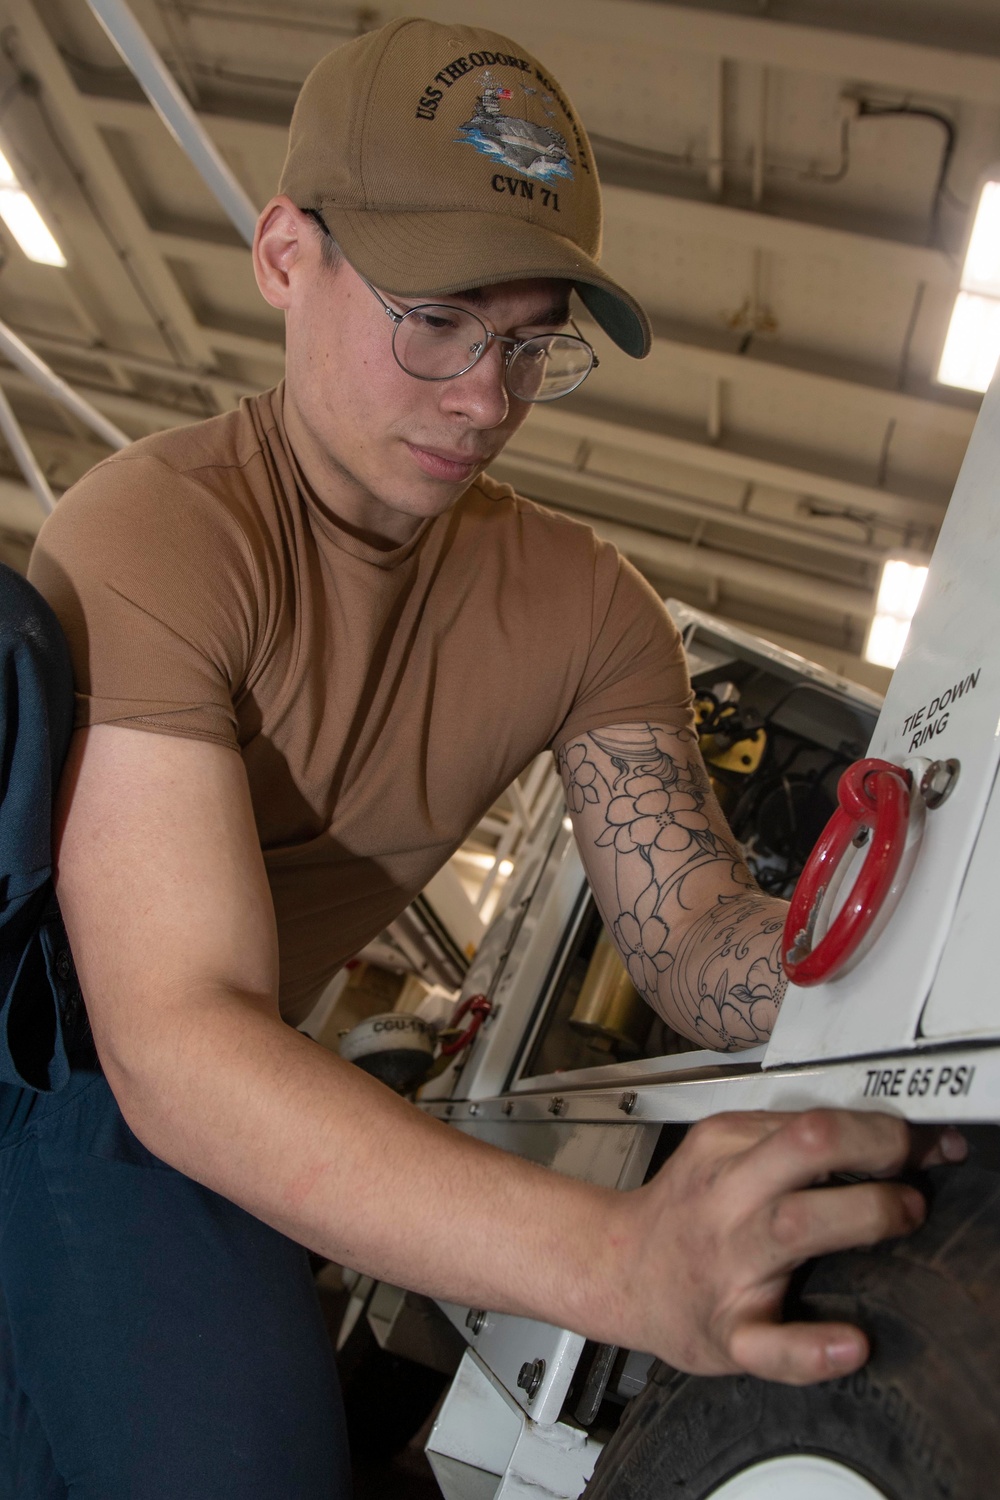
<point x="342" y="496"/>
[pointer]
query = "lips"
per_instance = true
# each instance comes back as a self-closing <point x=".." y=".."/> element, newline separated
<point x="440" y="464"/>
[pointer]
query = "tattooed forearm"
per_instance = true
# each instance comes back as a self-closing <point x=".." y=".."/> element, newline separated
<point x="701" y="942"/>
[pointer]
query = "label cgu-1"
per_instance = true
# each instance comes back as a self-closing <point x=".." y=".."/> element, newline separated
<point x="920" y="1082"/>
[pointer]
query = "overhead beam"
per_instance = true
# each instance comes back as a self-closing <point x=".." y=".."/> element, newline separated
<point x="246" y="345"/>
<point x="83" y="140"/>
<point x="900" y="509"/>
<point x="666" y="213"/>
<point x="674" y="348"/>
<point x="138" y="415"/>
<point x="226" y="392"/>
<point x="912" y="65"/>
<point x="915" y="62"/>
<point x="768" y="368"/>
<point x="905" y="510"/>
<point x="20" y="512"/>
<point x="603" y="494"/>
<point x="174" y="109"/>
<point x="706" y="567"/>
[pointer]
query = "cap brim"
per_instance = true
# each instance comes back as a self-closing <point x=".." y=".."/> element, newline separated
<point x="436" y="253"/>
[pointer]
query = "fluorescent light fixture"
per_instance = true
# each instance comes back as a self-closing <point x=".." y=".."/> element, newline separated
<point x="972" y="346"/>
<point x="899" y="593"/>
<point x="24" y="221"/>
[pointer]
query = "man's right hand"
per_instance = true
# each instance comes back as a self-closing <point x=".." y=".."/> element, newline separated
<point x="737" y="1208"/>
<point x="168" y="910"/>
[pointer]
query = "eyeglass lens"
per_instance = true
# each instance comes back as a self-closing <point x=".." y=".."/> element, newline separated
<point x="438" y="342"/>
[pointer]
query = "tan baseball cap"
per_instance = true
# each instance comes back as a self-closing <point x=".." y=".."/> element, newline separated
<point x="447" y="157"/>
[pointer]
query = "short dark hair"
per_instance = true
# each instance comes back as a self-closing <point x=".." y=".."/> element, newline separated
<point x="329" y="250"/>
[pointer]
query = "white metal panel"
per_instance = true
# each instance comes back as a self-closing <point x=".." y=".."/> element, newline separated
<point x="521" y="946"/>
<point x="943" y="701"/>
<point x="965" y="998"/>
<point x="616" y="1157"/>
<point x="932" y="1085"/>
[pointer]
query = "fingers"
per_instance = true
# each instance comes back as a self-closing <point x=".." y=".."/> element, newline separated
<point x="808" y="1147"/>
<point x="798" y="1353"/>
<point x="820" y="1221"/>
<point x="936" y="1148"/>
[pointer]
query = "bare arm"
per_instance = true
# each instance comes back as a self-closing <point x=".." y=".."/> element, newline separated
<point x="166" y="902"/>
<point x="164" y="894"/>
<point x="701" y="942"/>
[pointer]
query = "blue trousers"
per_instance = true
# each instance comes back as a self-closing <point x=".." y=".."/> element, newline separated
<point x="156" y="1341"/>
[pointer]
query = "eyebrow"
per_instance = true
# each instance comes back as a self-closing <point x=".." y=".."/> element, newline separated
<point x="478" y="295"/>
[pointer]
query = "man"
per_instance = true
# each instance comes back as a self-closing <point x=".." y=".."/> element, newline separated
<point x="311" y="645"/>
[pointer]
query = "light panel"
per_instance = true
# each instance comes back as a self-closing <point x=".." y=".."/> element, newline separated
<point x="982" y="261"/>
<point x="972" y="345"/>
<point x="24" y="221"/>
<point x="900" y="587"/>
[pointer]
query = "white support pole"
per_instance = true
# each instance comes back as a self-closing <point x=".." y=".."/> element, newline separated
<point x="28" y="362"/>
<point x="163" y="93"/>
<point x="26" y="460"/>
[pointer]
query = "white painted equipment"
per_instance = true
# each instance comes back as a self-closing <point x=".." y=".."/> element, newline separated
<point x="910" y="1024"/>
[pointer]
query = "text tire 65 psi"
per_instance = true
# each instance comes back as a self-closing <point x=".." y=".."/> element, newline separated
<point x="920" y="1422"/>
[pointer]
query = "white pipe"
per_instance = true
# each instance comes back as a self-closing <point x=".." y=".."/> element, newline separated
<point x="26" y="460"/>
<point x="163" y="93"/>
<point x="28" y="362"/>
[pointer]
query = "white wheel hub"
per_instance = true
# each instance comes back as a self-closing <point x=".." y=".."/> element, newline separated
<point x="798" y="1476"/>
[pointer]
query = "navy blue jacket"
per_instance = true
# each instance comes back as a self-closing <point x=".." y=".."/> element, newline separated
<point x="37" y="982"/>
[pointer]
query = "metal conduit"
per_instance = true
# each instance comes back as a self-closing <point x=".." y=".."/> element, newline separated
<point x="163" y="93"/>
<point x="28" y="362"/>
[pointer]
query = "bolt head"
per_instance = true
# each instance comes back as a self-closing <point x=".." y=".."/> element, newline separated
<point x="530" y="1377"/>
<point x="938" y="781"/>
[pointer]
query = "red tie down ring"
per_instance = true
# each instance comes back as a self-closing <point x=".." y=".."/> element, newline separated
<point x="480" y="1008"/>
<point x="872" y="794"/>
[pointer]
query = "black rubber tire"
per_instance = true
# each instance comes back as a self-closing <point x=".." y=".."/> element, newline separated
<point x="920" y="1422"/>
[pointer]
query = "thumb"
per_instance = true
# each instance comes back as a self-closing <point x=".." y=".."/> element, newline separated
<point x="798" y="1353"/>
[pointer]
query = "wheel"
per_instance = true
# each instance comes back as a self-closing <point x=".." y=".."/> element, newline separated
<point x="919" y="1422"/>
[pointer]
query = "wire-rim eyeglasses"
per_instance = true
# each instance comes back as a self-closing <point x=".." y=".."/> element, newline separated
<point x="438" y="341"/>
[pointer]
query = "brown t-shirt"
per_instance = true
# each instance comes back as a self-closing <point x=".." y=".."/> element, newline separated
<point x="381" y="700"/>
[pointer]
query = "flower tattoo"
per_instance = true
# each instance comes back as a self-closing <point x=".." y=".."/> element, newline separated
<point x="642" y="942"/>
<point x="701" y="943"/>
<point x="580" y="774"/>
<point x="650" y="814"/>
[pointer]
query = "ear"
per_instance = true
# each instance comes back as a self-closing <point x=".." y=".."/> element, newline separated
<point x="283" y="240"/>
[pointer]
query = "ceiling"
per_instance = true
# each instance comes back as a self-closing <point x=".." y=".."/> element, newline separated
<point x="797" y="246"/>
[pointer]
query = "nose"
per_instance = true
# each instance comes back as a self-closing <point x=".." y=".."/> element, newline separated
<point x="480" y="395"/>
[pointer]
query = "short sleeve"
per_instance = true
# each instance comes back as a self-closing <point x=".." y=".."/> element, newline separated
<point x="636" y="671"/>
<point x="152" y="580"/>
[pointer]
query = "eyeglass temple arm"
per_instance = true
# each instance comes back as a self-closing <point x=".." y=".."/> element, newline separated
<point x="390" y="312"/>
